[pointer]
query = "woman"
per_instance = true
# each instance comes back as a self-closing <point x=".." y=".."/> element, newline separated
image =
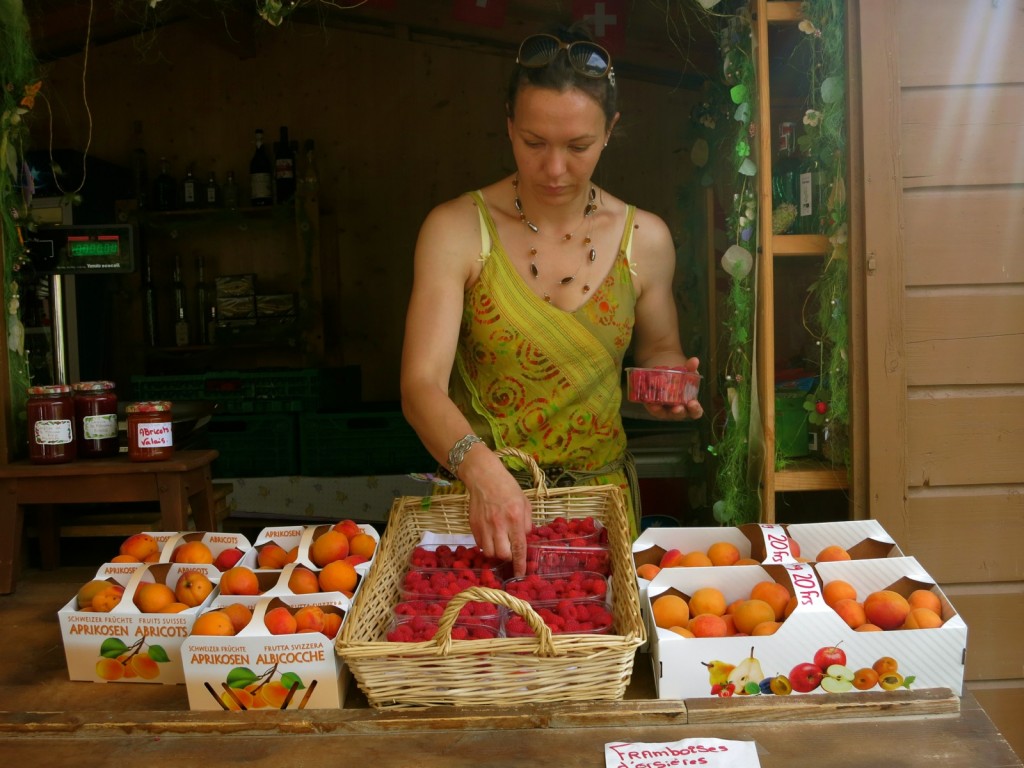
<point x="526" y="295"/>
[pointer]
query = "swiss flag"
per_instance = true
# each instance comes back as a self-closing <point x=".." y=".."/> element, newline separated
<point x="606" y="19"/>
<point x="480" y="13"/>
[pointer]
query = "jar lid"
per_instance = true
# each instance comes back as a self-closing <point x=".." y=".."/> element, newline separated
<point x="150" y="406"/>
<point x="49" y="389"/>
<point x="92" y="386"/>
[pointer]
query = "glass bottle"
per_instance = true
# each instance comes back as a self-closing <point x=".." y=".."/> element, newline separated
<point x="150" y="431"/>
<point x="96" y="418"/>
<point x="51" y="424"/>
<point x="190" y="193"/>
<point x="230" y="191"/>
<point x="310" y="176"/>
<point x="165" y="189"/>
<point x="284" y="168"/>
<point x="181" y="334"/>
<point x="149" y="302"/>
<point x="212" y="192"/>
<point x="812" y="196"/>
<point x="201" y="291"/>
<point x="140" y="173"/>
<point x="261" y="174"/>
<point x="784" y="176"/>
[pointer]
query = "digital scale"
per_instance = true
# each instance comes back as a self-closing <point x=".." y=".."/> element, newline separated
<point x="83" y="249"/>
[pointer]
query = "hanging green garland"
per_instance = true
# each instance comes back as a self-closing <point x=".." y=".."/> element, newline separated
<point x="20" y="84"/>
<point x="824" y="138"/>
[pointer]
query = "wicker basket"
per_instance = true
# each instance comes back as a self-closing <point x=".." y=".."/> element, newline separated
<point x="544" y="668"/>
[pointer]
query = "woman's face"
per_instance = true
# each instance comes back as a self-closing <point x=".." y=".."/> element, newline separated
<point x="557" y="138"/>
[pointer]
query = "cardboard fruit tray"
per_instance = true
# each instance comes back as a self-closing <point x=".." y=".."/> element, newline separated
<point x="543" y="668"/>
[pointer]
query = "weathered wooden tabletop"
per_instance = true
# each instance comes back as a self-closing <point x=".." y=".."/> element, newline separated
<point x="47" y="720"/>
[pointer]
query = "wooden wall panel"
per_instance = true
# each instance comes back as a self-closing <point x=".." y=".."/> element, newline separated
<point x="968" y="439"/>
<point x="952" y="42"/>
<point x="995" y="620"/>
<point x="970" y="337"/>
<point x="966" y="236"/>
<point x="987" y="525"/>
<point x="963" y="136"/>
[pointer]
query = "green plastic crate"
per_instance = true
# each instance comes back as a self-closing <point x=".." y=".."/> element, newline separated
<point x="254" y="445"/>
<point x="238" y="392"/>
<point x="363" y="443"/>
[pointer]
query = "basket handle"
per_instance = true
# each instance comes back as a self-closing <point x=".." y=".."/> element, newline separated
<point x="536" y="474"/>
<point x="443" y="638"/>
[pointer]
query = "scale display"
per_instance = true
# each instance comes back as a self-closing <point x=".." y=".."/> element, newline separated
<point x="84" y="249"/>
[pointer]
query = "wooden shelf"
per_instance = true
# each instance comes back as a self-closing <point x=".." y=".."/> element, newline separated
<point x="783" y="11"/>
<point x="799" y="245"/>
<point x="811" y="475"/>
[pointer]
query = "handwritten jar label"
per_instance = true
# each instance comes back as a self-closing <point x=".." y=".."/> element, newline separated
<point x="154" y="435"/>
<point x="100" y="427"/>
<point x="53" y="432"/>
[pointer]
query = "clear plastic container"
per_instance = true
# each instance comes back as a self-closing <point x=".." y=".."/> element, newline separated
<point x="477" y="612"/>
<point x="548" y="559"/>
<point x="427" y="583"/>
<point x="586" y="617"/>
<point x="661" y="386"/>
<point x="544" y="590"/>
<point x="418" y="629"/>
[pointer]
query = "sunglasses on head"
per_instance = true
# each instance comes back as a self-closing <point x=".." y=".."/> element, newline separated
<point x="586" y="58"/>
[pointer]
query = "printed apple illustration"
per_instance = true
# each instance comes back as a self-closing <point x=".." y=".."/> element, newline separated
<point x="805" y="677"/>
<point x="829" y="655"/>
<point x="838" y="679"/>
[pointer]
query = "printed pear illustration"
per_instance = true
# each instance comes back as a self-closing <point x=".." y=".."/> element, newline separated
<point x="718" y="671"/>
<point x="747" y="671"/>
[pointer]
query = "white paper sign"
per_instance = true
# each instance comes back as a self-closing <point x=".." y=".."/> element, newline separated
<point x="716" y="753"/>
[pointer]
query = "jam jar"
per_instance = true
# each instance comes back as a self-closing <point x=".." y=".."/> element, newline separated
<point x="150" y="431"/>
<point x="95" y="418"/>
<point x="51" y="424"/>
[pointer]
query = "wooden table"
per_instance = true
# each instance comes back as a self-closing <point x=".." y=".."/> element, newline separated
<point x="179" y="484"/>
<point x="48" y="720"/>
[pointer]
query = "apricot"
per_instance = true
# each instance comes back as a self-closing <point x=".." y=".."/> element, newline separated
<point x="837" y="590"/>
<point x="239" y="614"/>
<point x="348" y="527"/>
<point x="125" y="559"/>
<point x="695" y="559"/>
<point x="362" y="544"/>
<point x="309" y="618"/>
<point x="790" y="607"/>
<point x="682" y="631"/>
<point x="707" y="600"/>
<point x="708" y="625"/>
<point x="280" y="621"/>
<point x="237" y="699"/>
<point x="730" y="624"/>
<point x="272" y="556"/>
<point x="89" y="590"/>
<point x="303" y="581"/>
<point x="332" y="623"/>
<point x="192" y="553"/>
<point x="851" y="611"/>
<point x="723" y="553"/>
<point x="273" y="694"/>
<point x="140" y="546"/>
<point x="328" y="547"/>
<point x="886" y="609"/>
<point x="867" y="628"/>
<point x="922" y="618"/>
<point x="925" y="598"/>
<point x="129" y="670"/>
<point x="746" y="561"/>
<point x="107" y="599"/>
<point x="766" y="628"/>
<point x="109" y="669"/>
<point x="239" y="580"/>
<point x="144" y="666"/>
<point x="671" y="559"/>
<point x="356" y="559"/>
<point x="773" y="593"/>
<point x="214" y="623"/>
<point x="647" y="571"/>
<point x="153" y="598"/>
<point x="192" y="588"/>
<point x="865" y="679"/>
<point x="338" y="576"/>
<point x="750" y="613"/>
<point x="174" y="607"/>
<point x="670" y="611"/>
<point x="832" y="553"/>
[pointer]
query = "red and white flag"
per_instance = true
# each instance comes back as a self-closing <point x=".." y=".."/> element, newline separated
<point x="480" y="13"/>
<point x="606" y="19"/>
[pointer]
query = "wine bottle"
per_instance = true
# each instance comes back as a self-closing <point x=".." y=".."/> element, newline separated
<point x="140" y="172"/>
<point x="190" y="197"/>
<point x="261" y="176"/>
<point x="150" y="303"/>
<point x="165" y="189"/>
<point x="181" y="334"/>
<point x="310" y="176"/>
<point x="812" y="196"/>
<point x="284" y="168"/>
<point x="230" y="191"/>
<point x="201" y="299"/>
<point x="212" y="192"/>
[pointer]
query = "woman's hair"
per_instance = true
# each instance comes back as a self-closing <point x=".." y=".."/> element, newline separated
<point x="560" y="76"/>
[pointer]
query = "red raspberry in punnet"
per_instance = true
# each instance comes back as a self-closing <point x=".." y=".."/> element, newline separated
<point x="557" y="559"/>
<point x="444" y="556"/>
<point x="474" y="612"/>
<point x="537" y="588"/>
<point x="568" y="616"/>
<point x="569" y="532"/>
<point x="421" y="628"/>
<point x="448" y="582"/>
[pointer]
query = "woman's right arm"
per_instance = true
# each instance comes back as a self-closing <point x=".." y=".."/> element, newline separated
<point x="446" y="263"/>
